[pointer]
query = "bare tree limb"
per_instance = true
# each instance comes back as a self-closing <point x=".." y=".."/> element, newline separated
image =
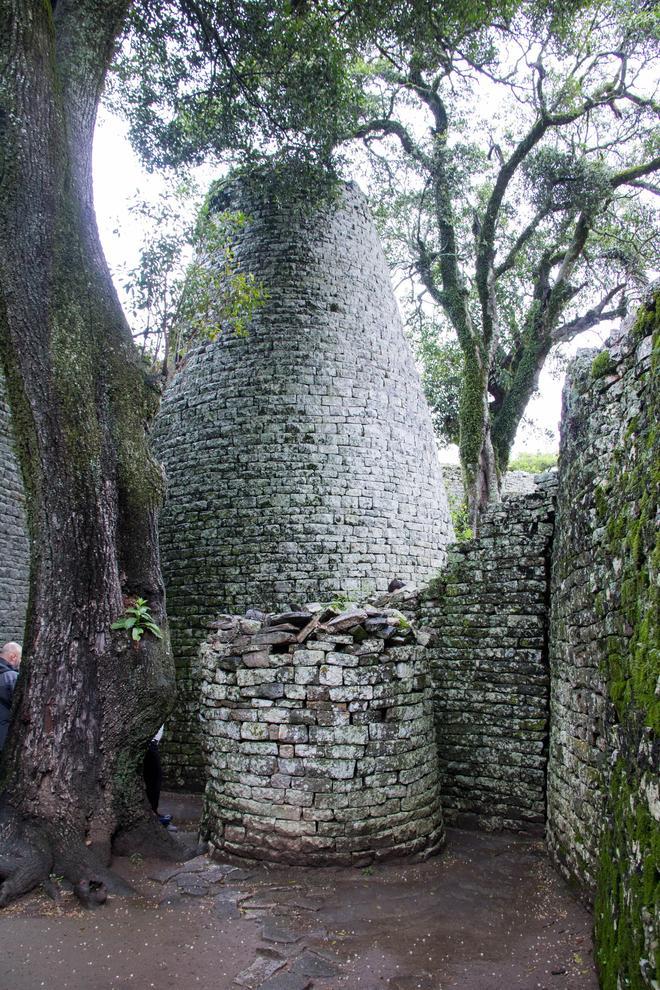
<point x="385" y="127"/>
<point x="594" y="316"/>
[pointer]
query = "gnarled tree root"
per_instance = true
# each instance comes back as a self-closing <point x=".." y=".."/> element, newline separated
<point x="32" y="852"/>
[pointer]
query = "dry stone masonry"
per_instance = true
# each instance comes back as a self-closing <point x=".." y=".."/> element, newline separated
<point x="489" y="616"/>
<point x="301" y="460"/>
<point x="301" y="464"/>
<point x="318" y="727"/>
<point x="603" y="783"/>
<point x="513" y="483"/>
<point x="14" y="546"/>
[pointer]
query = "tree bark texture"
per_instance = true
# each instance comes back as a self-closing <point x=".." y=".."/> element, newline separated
<point x="88" y="699"/>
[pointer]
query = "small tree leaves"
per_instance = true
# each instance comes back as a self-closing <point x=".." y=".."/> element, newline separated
<point x="138" y="619"/>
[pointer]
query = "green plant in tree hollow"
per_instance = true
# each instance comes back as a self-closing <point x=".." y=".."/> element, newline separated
<point x="137" y="619"/>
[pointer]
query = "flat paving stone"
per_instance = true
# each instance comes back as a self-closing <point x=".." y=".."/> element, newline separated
<point x="163" y="875"/>
<point x="263" y="967"/>
<point x="259" y="902"/>
<point x="287" y="981"/>
<point x="237" y="875"/>
<point x="274" y="931"/>
<point x="225" y="906"/>
<point x="195" y="865"/>
<point x="191" y="886"/>
<point x="214" y="874"/>
<point x="305" y="903"/>
<point x="312" y="964"/>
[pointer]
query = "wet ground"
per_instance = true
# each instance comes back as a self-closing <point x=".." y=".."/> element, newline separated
<point x="488" y="914"/>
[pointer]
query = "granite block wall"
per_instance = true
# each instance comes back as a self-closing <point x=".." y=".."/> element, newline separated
<point x="14" y="546"/>
<point x="489" y="615"/>
<point x="603" y="783"/>
<point x="514" y="483"/>
<point x="301" y="460"/>
<point x="318" y="732"/>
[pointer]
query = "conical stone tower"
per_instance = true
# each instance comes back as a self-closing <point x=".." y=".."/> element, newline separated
<point x="301" y="461"/>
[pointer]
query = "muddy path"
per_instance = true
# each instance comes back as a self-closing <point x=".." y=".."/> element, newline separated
<point x="488" y="914"/>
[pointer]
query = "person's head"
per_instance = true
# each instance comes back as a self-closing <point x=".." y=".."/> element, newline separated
<point x="11" y="653"/>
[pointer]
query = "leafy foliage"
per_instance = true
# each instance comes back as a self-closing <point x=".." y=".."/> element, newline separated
<point x="510" y="170"/>
<point x="137" y="619"/>
<point x="510" y="145"/>
<point x="533" y="463"/>
<point x="186" y="286"/>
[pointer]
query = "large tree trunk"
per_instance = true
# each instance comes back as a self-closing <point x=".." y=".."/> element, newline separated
<point x="481" y="477"/>
<point x="89" y="699"/>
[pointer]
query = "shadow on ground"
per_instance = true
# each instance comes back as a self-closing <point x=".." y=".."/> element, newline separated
<point x="488" y="914"/>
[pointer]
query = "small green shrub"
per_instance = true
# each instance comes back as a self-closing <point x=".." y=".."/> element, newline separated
<point x="137" y="619"/>
<point x="460" y="522"/>
<point x="533" y="463"/>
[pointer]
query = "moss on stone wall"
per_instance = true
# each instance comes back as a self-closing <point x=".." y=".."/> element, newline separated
<point x="602" y="365"/>
<point x="626" y="908"/>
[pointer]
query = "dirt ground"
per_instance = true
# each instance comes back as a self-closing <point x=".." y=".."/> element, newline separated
<point x="488" y="914"/>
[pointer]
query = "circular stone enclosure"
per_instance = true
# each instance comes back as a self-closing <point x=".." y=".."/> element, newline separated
<point x="320" y="740"/>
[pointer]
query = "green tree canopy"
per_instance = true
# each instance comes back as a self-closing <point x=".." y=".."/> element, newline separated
<point x="512" y="174"/>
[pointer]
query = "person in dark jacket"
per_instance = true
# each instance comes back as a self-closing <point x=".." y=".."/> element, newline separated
<point x="10" y="661"/>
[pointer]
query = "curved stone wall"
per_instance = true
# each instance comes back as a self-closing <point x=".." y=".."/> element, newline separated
<point x="14" y="546"/>
<point x="300" y="459"/>
<point x="319" y="738"/>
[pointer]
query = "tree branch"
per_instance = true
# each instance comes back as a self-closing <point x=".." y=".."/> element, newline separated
<point x="520" y="242"/>
<point x="628" y="176"/>
<point x="567" y="331"/>
<point x="385" y="127"/>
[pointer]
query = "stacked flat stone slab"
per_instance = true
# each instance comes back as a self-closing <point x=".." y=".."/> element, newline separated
<point x="300" y="459"/>
<point x="14" y="546"/>
<point x="489" y="615"/>
<point x="603" y="783"/>
<point x="319" y="738"/>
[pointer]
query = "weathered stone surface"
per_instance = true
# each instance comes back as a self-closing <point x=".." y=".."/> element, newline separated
<point x="191" y="885"/>
<point x="14" y="546"/>
<point x="295" y="778"/>
<point x="276" y="931"/>
<point x="225" y="906"/>
<point x="287" y="981"/>
<point x="603" y="814"/>
<point x="312" y="964"/>
<point x="488" y="615"/>
<point x="301" y="460"/>
<point x="259" y="970"/>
